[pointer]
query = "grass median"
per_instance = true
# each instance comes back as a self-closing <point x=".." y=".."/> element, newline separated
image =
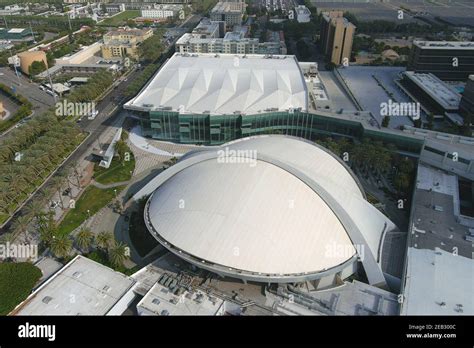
<point x="93" y="199"/>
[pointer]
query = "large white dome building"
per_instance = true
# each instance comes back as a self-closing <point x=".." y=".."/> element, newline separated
<point x="271" y="209"/>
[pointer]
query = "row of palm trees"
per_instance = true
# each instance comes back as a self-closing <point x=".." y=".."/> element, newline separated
<point x="62" y="245"/>
<point x="28" y="157"/>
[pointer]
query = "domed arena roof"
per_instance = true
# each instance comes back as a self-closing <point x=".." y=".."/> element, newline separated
<point x="266" y="208"/>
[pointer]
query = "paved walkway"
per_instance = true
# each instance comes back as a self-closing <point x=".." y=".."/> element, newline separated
<point x="111" y="185"/>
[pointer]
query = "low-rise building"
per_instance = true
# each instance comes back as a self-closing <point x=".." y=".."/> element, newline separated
<point x="161" y="11"/>
<point x="16" y="34"/>
<point x="124" y="42"/>
<point x="82" y="287"/>
<point x="27" y="58"/>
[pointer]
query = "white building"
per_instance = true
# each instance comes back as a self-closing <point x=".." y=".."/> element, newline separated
<point x="162" y="11"/>
<point x="438" y="283"/>
<point x="231" y="43"/>
<point x="303" y="14"/>
<point x="82" y="287"/>
<point x="277" y="210"/>
<point x="160" y="300"/>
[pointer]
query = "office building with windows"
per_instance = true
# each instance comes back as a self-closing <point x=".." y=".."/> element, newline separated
<point x="337" y="35"/>
<point x="449" y="60"/>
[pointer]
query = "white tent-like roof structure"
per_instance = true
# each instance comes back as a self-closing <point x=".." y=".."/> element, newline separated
<point x="266" y="208"/>
<point x="223" y="84"/>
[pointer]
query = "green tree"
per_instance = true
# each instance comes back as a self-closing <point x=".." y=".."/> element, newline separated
<point x="117" y="253"/>
<point x="103" y="240"/>
<point x="84" y="239"/>
<point x="36" y="67"/>
<point x="61" y="246"/>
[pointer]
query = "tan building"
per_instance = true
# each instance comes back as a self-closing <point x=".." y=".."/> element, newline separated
<point x="124" y="42"/>
<point x="28" y="57"/>
<point x="3" y="112"/>
<point x="337" y="35"/>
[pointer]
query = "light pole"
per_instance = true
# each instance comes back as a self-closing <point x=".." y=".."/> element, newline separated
<point x="14" y="65"/>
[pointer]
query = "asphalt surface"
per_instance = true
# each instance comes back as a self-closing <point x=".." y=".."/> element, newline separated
<point x="109" y="109"/>
<point x="40" y="99"/>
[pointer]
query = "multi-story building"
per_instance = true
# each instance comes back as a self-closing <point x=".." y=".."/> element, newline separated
<point x="124" y="42"/>
<point x="230" y="12"/>
<point x="435" y="96"/>
<point x="161" y="11"/>
<point x="466" y="107"/>
<point x="207" y="29"/>
<point x="449" y="60"/>
<point x="233" y="42"/>
<point x="337" y="35"/>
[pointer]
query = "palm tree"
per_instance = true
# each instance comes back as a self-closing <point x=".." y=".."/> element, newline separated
<point x="47" y="229"/>
<point x="117" y="253"/>
<point x="84" y="239"/>
<point x="61" y="246"/>
<point x="120" y="148"/>
<point x="74" y="168"/>
<point x="21" y="224"/>
<point x="57" y="182"/>
<point x="35" y="209"/>
<point x="103" y="240"/>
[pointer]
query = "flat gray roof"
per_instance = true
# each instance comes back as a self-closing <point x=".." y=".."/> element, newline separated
<point x="438" y="283"/>
<point x="82" y="287"/>
<point x="442" y="45"/>
<point x="443" y="94"/>
<point x="438" y="228"/>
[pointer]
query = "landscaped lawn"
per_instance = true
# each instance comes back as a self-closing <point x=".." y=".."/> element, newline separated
<point x="16" y="282"/>
<point x="93" y="199"/>
<point x="118" y="171"/>
<point x="120" y="18"/>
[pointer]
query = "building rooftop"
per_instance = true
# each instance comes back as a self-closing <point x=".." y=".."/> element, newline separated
<point x="229" y="6"/>
<point x="224" y="84"/>
<point x="82" y="287"/>
<point x="247" y="228"/>
<point x="438" y="283"/>
<point x="436" y="208"/>
<point x="441" y="45"/>
<point x="160" y="300"/>
<point x="446" y="96"/>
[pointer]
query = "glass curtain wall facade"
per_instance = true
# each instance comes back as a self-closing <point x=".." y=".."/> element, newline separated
<point x="218" y="129"/>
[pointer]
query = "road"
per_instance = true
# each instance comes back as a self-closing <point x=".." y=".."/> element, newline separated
<point x="108" y="108"/>
<point x="40" y="100"/>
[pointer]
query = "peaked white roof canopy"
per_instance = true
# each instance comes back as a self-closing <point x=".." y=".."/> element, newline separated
<point x="224" y="84"/>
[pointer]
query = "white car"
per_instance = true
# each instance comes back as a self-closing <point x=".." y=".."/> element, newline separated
<point x="93" y="115"/>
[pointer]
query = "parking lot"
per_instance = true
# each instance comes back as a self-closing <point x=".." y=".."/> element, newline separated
<point x="41" y="100"/>
<point x="363" y="81"/>
<point x="459" y="12"/>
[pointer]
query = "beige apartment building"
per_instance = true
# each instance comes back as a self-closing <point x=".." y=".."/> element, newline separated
<point x="337" y="35"/>
<point x="124" y="42"/>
